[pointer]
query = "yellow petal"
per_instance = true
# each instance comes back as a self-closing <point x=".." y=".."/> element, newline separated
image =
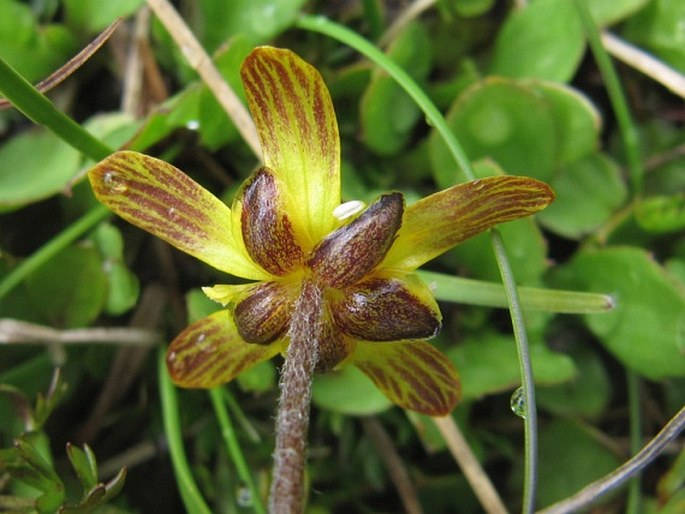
<point x="294" y="115"/>
<point x="224" y="293"/>
<point x="210" y="352"/>
<point x="414" y="375"/>
<point x="440" y="221"/>
<point x="161" y="199"/>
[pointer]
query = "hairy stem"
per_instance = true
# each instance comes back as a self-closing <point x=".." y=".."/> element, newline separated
<point x="292" y="421"/>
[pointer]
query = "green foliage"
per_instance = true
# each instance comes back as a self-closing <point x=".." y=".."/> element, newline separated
<point x="28" y="463"/>
<point x="522" y="95"/>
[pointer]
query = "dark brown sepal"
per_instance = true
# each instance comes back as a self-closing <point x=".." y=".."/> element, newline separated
<point x="380" y="309"/>
<point x="350" y="252"/>
<point x="267" y="230"/>
<point x="263" y="312"/>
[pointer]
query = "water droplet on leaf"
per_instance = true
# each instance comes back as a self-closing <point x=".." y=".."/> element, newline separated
<point x="518" y="402"/>
<point x="243" y="497"/>
<point x="114" y="182"/>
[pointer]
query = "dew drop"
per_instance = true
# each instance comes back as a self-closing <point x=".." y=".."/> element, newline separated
<point x="193" y="124"/>
<point x="518" y="403"/>
<point x="243" y="497"/>
<point x="114" y="182"/>
<point x="172" y="213"/>
<point x="171" y="356"/>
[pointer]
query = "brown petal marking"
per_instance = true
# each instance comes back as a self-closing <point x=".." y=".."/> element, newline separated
<point x="353" y="250"/>
<point x="267" y="230"/>
<point x="334" y="347"/>
<point x="415" y="375"/>
<point x="382" y="309"/>
<point x="210" y="352"/>
<point x="263" y="312"/>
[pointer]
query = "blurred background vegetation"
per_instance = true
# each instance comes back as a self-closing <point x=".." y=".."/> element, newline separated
<point x="522" y="93"/>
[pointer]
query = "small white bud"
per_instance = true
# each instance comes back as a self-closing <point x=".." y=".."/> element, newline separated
<point x="348" y="209"/>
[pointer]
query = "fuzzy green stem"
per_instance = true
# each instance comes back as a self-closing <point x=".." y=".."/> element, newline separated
<point x="292" y="420"/>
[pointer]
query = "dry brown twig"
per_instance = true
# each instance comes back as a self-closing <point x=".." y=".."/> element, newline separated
<point x="202" y="63"/>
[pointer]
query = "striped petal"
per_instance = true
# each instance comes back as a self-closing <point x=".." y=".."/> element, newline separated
<point x="414" y="375"/>
<point x="210" y="352"/>
<point x="268" y="231"/>
<point x="387" y="309"/>
<point x="353" y="250"/>
<point x="262" y="312"/>
<point x="297" y="127"/>
<point x="161" y="199"/>
<point x="439" y="222"/>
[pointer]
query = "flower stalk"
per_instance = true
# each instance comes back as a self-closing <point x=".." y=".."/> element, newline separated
<point x="292" y="420"/>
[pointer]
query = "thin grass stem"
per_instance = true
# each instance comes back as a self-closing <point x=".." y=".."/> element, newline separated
<point x="51" y="248"/>
<point x="526" y="369"/>
<point x="190" y="493"/>
<point x="617" y="97"/>
<point x="233" y="446"/>
<point x="38" y="108"/>
<point x="435" y="118"/>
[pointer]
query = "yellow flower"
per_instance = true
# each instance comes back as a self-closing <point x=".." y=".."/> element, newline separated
<point x="282" y="232"/>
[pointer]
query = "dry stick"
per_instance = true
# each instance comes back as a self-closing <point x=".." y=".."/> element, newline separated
<point x="396" y="468"/>
<point x="646" y="63"/>
<point x="588" y="495"/>
<point x="13" y="331"/>
<point x="411" y="12"/>
<point x="131" y="99"/>
<point x="292" y="422"/>
<point x="72" y="64"/>
<point x="478" y="480"/>
<point x="202" y="63"/>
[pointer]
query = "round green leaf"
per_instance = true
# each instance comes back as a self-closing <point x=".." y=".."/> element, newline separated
<point x="388" y="114"/>
<point x="504" y="120"/>
<point x="28" y="175"/>
<point x="570" y="459"/>
<point x="646" y="330"/>
<point x="348" y="391"/>
<point x="71" y="289"/>
<point x="578" y="122"/>
<point x="661" y="213"/>
<point x="607" y="12"/>
<point x="487" y="364"/>
<point x="545" y="40"/>
<point x="588" y="191"/>
<point x="587" y="394"/>
<point x="95" y="15"/>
